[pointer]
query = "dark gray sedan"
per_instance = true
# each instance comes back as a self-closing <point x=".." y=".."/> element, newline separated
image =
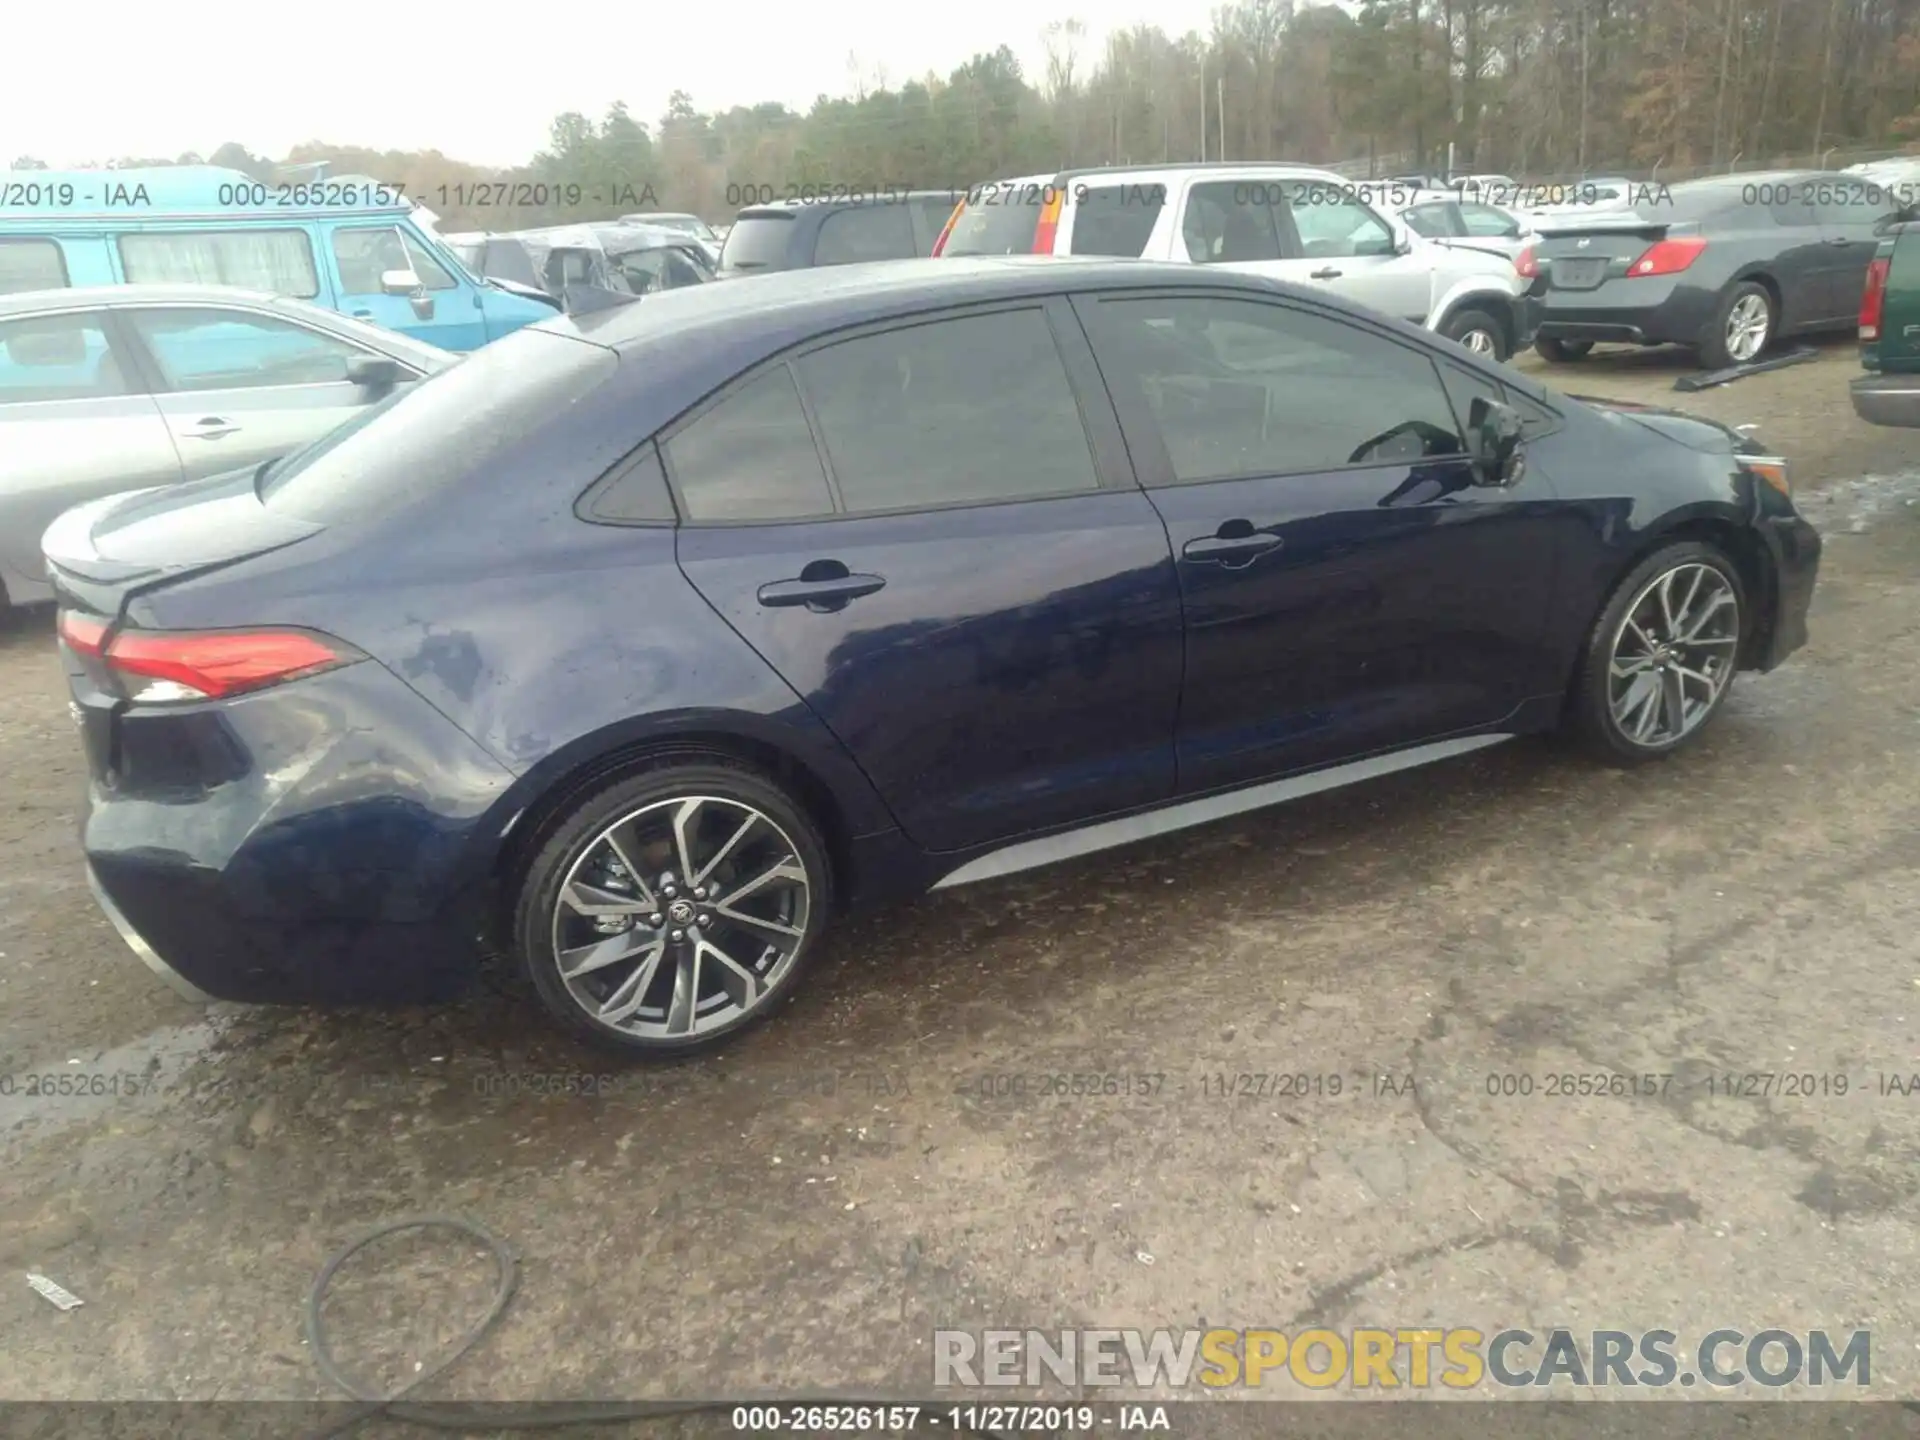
<point x="125" y="387"/>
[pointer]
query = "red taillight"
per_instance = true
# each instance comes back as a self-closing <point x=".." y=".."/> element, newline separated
<point x="1873" y="300"/>
<point x="947" y="229"/>
<point x="81" y="633"/>
<point x="1528" y="264"/>
<point x="157" y="666"/>
<point x="1669" y="257"/>
<point x="1049" y="221"/>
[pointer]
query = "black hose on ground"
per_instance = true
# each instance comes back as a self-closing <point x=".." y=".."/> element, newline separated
<point x="457" y="1418"/>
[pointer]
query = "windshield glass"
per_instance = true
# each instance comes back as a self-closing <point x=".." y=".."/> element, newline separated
<point x="427" y="434"/>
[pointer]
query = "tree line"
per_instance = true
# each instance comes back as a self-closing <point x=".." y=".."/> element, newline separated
<point x="1528" y="88"/>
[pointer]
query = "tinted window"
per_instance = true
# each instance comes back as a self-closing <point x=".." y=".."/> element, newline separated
<point x="757" y="241"/>
<point x="637" y="492"/>
<point x="57" y="357"/>
<point x="667" y="268"/>
<point x="1485" y="220"/>
<point x="427" y="434"/>
<point x="972" y="409"/>
<point x="1116" y="219"/>
<point x="999" y="219"/>
<point x="31" y="265"/>
<point x="881" y="231"/>
<point x="1333" y="224"/>
<point x="231" y="350"/>
<point x="276" y="260"/>
<point x="751" y="457"/>
<point x="1464" y="387"/>
<point x="1243" y="388"/>
<point x="1229" y="220"/>
<point x="1429" y="220"/>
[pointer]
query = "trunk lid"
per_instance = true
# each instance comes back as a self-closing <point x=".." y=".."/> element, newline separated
<point x="1583" y="254"/>
<point x="101" y="553"/>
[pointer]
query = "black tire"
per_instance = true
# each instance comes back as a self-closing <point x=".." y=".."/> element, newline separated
<point x="1591" y="704"/>
<point x="1562" y="352"/>
<point x="576" y="839"/>
<point x="1715" y="353"/>
<point x="1464" y="323"/>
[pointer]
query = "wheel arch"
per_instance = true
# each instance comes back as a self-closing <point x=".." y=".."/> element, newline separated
<point x="1712" y="525"/>
<point x="1495" y="303"/>
<point x="831" y="790"/>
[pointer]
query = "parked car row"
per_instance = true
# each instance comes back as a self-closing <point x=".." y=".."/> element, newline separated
<point x="351" y="245"/>
<point x="620" y="258"/>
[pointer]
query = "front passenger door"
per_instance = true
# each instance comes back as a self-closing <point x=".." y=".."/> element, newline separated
<point x="983" y="612"/>
<point x="1348" y="589"/>
<point x="240" y="388"/>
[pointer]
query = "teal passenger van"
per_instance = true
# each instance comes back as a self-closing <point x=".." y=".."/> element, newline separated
<point x="350" y="244"/>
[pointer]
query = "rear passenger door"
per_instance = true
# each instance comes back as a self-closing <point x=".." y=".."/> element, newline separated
<point x="76" y="423"/>
<point x="930" y="530"/>
<point x="1347" y="588"/>
<point x="879" y="230"/>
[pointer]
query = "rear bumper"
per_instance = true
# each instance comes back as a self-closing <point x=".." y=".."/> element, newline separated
<point x="1888" y="400"/>
<point x="324" y="842"/>
<point x="138" y="944"/>
<point x="1527" y="311"/>
<point x="1653" y="311"/>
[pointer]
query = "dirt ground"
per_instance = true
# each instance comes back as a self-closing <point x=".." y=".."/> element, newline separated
<point x="801" y="1211"/>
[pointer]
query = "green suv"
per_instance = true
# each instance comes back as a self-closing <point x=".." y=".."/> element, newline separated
<point x="1889" y="393"/>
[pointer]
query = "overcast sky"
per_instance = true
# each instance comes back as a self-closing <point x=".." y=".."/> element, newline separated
<point x="467" y="80"/>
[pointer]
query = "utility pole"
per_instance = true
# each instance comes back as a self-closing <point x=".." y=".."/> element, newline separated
<point x="1220" y="112"/>
<point x="1203" y="110"/>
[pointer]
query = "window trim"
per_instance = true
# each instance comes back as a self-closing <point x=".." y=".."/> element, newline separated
<point x="155" y="374"/>
<point x="196" y="232"/>
<point x="1051" y="308"/>
<point x="59" y="254"/>
<point x="1148" y="445"/>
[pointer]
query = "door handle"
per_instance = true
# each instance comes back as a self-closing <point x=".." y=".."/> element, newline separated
<point x="1327" y="274"/>
<point x="1838" y="240"/>
<point x="211" y="427"/>
<point x="1226" y="549"/>
<point x="363" y="314"/>
<point x="828" y="593"/>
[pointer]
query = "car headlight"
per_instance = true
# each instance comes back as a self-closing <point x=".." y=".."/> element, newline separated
<point x="1770" y="468"/>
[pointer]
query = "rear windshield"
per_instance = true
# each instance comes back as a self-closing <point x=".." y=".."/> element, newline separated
<point x="757" y="242"/>
<point x="999" y="219"/>
<point x="437" y="430"/>
<point x="1116" y="219"/>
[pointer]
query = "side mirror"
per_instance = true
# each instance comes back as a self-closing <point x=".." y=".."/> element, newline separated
<point x="1494" y="433"/>
<point x="399" y="282"/>
<point x="375" y="372"/>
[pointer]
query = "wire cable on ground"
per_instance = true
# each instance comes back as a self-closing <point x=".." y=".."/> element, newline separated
<point x="468" y="1418"/>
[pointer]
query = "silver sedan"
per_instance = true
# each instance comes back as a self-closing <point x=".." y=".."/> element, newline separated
<point x="124" y="387"/>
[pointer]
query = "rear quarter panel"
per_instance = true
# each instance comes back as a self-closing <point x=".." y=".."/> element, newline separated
<point x="548" y="640"/>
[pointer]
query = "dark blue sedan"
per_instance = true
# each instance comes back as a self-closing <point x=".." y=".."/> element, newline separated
<point x="640" y="643"/>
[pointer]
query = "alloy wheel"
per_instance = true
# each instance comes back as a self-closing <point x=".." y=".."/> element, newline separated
<point x="681" y="917"/>
<point x="1480" y="342"/>
<point x="1673" y="655"/>
<point x="1748" y="324"/>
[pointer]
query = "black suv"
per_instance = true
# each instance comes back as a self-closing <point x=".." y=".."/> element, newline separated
<point x="794" y="235"/>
